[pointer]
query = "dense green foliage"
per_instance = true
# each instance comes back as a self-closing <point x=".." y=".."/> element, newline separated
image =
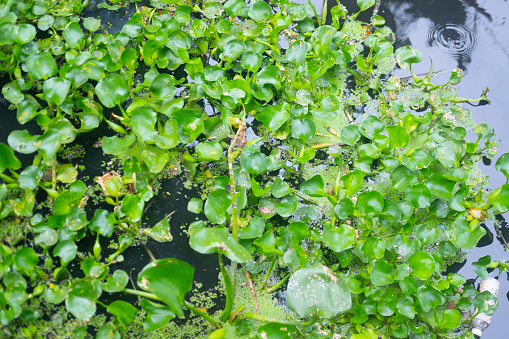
<point x="350" y="189"/>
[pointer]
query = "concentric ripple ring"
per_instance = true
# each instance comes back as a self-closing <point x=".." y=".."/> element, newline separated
<point x="454" y="39"/>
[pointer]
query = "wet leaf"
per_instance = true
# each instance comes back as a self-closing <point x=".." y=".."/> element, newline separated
<point x="218" y="240"/>
<point x="91" y="24"/>
<point x="73" y="35"/>
<point x="352" y="181"/>
<point x="157" y="315"/>
<point x="132" y="207"/>
<point x="344" y="208"/>
<point x="41" y="66"/>
<point x="381" y="273"/>
<point x="102" y="223"/>
<point x="350" y="134"/>
<point x="163" y="86"/>
<point x="371" y="126"/>
<point x="274" y="116"/>
<point x="314" y="187"/>
<point x="449" y="153"/>
<point x="369" y="202"/>
<point x="402" y="177"/>
<point x="365" y="4"/>
<point x="30" y="177"/>
<point x="280" y="188"/>
<point x="260" y="11"/>
<point x="419" y="159"/>
<point x="275" y="330"/>
<point x="267" y="244"/>
<point x="429" y="297"/>
<point x="81" y="298"/>
<point x="418" y="195"/>
<point x="114" y="145"/>
<point x="422" y="264"/>
<point x="216" y="205"/>
<point x="304" y="129"/>
<point x="398" y="136"/>
<point x="440" y="186"/>
<point x="66" y="250"/>
<point x="143" y="121"/>
<point x="209" y="151"/>
<point x="116" y="282"/>
<point x="55" y="90"/>
<point x="407" y="55"/>
<point x="12" y="92"/>
<point x="463" y="236"/>
<point x="254" y="228"/>
<point x="112" y="90"/>
<point x="286" y="206"/>
<point x="338" y="238"/>
<point x="124" y="312"/>
<point x="54" y="294"/>
<point x="7" y="158"/>
<point x="160" y="232"/>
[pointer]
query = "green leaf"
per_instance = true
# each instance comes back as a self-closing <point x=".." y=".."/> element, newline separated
<point x="116" y="282"/>
<point x="102" y="223"/>
<point x="81" y="298"/>
<point x="253" y="162"/>
<point x="366" y="334"/>
<point x="209" y="151"/>
<point x="463" y="236"/>
<point x="405" y="306"/>
<point x="274" y="330"/>
<point x="27" y="110"/>
<point x="254" y="228"/>
<point x="163" y="86"/>
<point x="170" y="280"/>
<point x="338" y="238"/>
<point x="369" y="202"/>
<point x="502" y="164"/>
<point x="440" y="186"/>
<point x="296" y="53"/>
<point x="398" y="136"/>
<point x="371" y="126"/>
<point x="419" y="159"/>
<point x="450" y="152"/>
<point x="157" y="315"/>
<point x="418" y="195"/>
<point x="313" y="187"/>
<point x="45" y="22"/>
<point x="7" y="158"/>
<point x="30" y="177"/>
<point x="54" y="294"/>
<point x="304" y="129"/>
<point x="426" y="233"/>
<point x="143" y="121"/>
<point x="251" y="61"/>
<point x="260" y="11"/>
<point x="12" y="92"/>
<point x="234" y="7"/>
<point x="429" y="297"/>
<point x="381" y="273"/>
<point x="267" y="244"/>
<point x="112" y="90"/>
<point x="195" y="205"/>
<point x="73" y="35"/>
<point x="352" y="181"/>
<point x="55" y="90"/>
<point x="66" y="250"/>
<point x="218" y="240"/>
<point x="407" y="55"/>
<point x="25" y="260"/>
<point x="316" y="290"/>
<point x="132" y="207"/>
<point x="91" y="24"/>
<point x="160" y="232"/>
<point x="41" y="66"/>
<point x="402" y="177"/>
<point x="499" y="198"/>
<point x="451" y="319"/>
<point x="114" y="145"/>
<point x="423" y="265"/>
<point x="344" y="208"/>
<point x="216" y="205"/>
<point x="350" y="134"/>
<point x="280" y="188"/>
<point x="233" y="49"/>
<point x="124" y="312"/>
<point x="365" y="4"/>
<point x="480" y="266"/>
<point x="274" y="116"/>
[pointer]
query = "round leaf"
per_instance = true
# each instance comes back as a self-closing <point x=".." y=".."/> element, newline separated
<point x="370" y="202"/>
<point x="422" y="264"/>
<point x="218" y="240"/>
<point x="216" y="205"/>
<point x="112" y="90"/>
<point x="313" y="187"/>
<point x="381" y="273"/>
<point x="55" y="90"/>
<point x="41" y="66"/>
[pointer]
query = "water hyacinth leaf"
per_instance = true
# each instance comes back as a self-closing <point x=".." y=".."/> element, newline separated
<point x="254" y="228"/>
<point x="449" y="153"/>
<point x="370" y="202"/>
<point x="344" y="208"/>
<point x="418" y="195"/>
<point x="253" y="162"/>
<point x="314" y="187"/>
<point x="55" y="90"/>
<point x="66" y="250"/>
<point x="7" y="158"/>
<point x="216" y="205"/>
<point x="352" y="181"/>
<point x="143" y="122"/>
<point x="440" y="187"/>
<point x="41" y="65"/>
<point x="303" y="129"/>
<point x="280" y="188"/>
<point x="298" y="231"/>
<point x="422" y="264"/>
<point x="54" y="294"/>
<point x="168" y="137"/>
<point x="27" y="110"/>
<point x="419" y="159"/>
<point x="274" y="116"/>
<point x="401" y="177"/>
<point x="426" y="234"/>
<point x="91" y="24"/>
<point x="287" y="206"/>
<point x="163" y="87"/>
<point x="499" y="198"/>
<point x="381" y="273"/>
<point x="209" y="151"/>
<point x="398" y="136"/>
<point x="124" y="312"/>
<point x="459" y="198"/>
<point x="407" y="55"/>
<point x="269" y="75"/>
<point x="30" y="177"/>
<point x="308" y="213"/>
<point x="260" y="11"/>
<point x="170" y="280"/>
<point x="371" y="126"/>
<point x="502" y="164"/>
<point x="114" y="145"/>
<point x="350" y="134"/>
<point x="160" y="232"/>
<point x="81" y="298"/>
<point x="116" y="282"/>
<point x="45" y="22"/>
<point x="406" y="307"/>
<point x="233" y="49"/>
<point x="276" y="330"/>
<point x="157" y="315"/>
<point x="112" y="90"/>
<point x="296" y="53"/>
<point x="133" y="27"/>
<point x="463" y="236"/>
<point x="12" y="92"/>
<point x="365" y="4"/>
<point x="132" y="207"/>
<point x="26" y="259"/>
<point x="451" y="319"/>
<point x="251" y="61"/>
<point x="338" y="238"/>
<point x="403" y="246"/>
<point x="480" y="266"/>
<point x="102" y="223"/>
<point x="316" y="290"/>
<point x="429" y="297"/>
<point x="46" y="238"/>
<point x="218" y="240"/>
<point x="73" y="35"/>
<point x="195" y="205"/>
<point x="267" y="244"/>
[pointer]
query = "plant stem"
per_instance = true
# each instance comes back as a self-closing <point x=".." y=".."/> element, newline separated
<point x="141" y="294"/>
<point x="280" y="283"/>
<point x="231" y="158"/>
<point x="229" y="291"/>
<point x="257" y="317"/>
<point x="204" y="315"/>
<point x="268" y="273"/>
<point x="253" y="291"/>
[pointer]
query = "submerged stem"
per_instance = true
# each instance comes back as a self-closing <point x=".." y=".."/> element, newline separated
<point x="229" y="290"/>
<point x="258" y="317"/>
<point x="268" y="274"/>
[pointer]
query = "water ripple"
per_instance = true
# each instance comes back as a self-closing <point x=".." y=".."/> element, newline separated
<point x="454" y="39"/>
